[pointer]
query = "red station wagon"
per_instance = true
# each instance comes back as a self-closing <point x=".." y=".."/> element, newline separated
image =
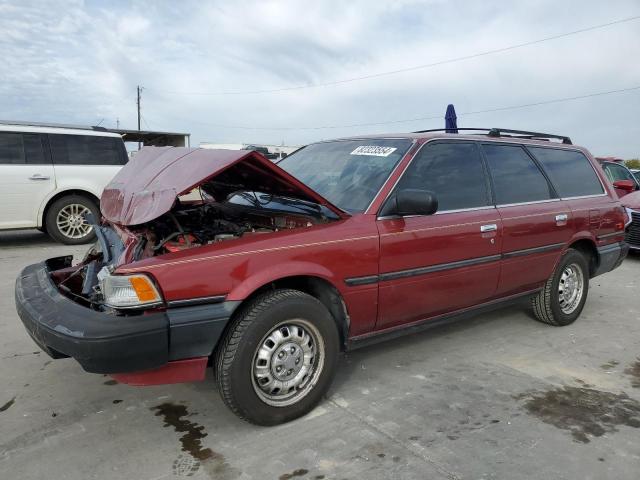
<point x="278" y="268"/>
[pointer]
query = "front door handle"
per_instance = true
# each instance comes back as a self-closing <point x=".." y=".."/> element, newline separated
<point x="492" y="227"/>
<point x="37" y="176"/>
<point x="562" y="218"/>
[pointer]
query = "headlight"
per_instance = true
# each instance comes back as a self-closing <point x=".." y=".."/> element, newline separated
<point x="129" y="291"/>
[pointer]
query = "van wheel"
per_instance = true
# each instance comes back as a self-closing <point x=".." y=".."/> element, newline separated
<point x="278" y="358"/>
<point x="561" y="300"/>
<point x="65" y="223"/>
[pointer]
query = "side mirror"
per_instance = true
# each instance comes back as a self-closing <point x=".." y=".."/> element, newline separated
<point x="626" y="185"/>
<point x="411" y="201"/>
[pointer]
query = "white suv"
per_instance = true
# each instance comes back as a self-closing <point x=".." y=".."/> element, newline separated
<point x="50" y="177"/>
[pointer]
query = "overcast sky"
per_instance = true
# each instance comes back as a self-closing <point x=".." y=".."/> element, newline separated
<point x="79" y="62"/>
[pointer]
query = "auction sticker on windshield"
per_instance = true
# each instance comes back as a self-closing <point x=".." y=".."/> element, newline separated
<point x="374" y="150"/>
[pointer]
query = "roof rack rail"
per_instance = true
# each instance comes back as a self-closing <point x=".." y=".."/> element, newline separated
<point x="499" y="132"/>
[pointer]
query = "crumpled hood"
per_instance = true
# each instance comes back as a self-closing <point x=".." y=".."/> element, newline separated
<point x="147" y="186"/>
<point x="632" y="200"/>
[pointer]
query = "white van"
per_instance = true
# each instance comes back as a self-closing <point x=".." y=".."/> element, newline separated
<point x="50" y="177"/>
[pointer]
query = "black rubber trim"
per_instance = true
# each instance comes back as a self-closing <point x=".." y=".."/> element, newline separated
<point x="412" y="272"/>
<point x="530" y="251"/>
<point x="609" y="235"/>
<point x="428" y="323"/>
<point x="194" y="331"/>
<point x="196" y="301"/>
<point x="437" y="268"/>
<point x="352" y="282"/>
<point x="611" y="256"/>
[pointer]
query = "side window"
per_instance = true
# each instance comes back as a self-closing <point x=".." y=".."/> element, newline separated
<point x="570" y="172"/>
<point x="34" y="149"/>
<point x="516" y="177"/>
<point x="453" y="171"/>
<point x="11" y="149"/>
<point x="86" y="150"/>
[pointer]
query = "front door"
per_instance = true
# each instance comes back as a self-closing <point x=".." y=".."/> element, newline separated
<point x="434" y="264"/>
<point x="26" y="178"/>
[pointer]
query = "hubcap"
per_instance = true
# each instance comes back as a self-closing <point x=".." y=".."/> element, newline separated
<point x="288" y="362"/>
<point x="71" y="222"/>
<point x="570" y="288"/>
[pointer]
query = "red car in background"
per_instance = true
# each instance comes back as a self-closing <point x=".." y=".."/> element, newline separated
<point x="623" y="180"/>
<point x="278" y="268"/>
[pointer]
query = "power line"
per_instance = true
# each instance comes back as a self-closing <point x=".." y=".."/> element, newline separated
<point x="417" y="119"/>
<point x="412" y="68"/>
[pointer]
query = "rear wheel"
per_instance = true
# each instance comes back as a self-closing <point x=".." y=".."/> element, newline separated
<point x="562" y="299"/>
<point x="65" y="221"/>
<point x="278" y="358"/>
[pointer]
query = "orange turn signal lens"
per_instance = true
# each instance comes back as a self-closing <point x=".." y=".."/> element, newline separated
<point x="144" y="289"/>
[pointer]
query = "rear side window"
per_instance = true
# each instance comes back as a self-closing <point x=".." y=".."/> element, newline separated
<point x="86" y="150"/>
<point x="570" y="172"/>
<point x="453" y="171"/>
<point x="11" y="149"/>
<point x="516" y="177"/>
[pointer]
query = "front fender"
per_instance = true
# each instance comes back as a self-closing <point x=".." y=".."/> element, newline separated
<point x="278" y="272"/>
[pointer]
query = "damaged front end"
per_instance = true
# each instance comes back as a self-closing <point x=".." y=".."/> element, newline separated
<point x="217" y="196"/>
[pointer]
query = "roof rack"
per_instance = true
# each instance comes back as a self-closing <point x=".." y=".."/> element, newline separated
<point x="500" y="132"/>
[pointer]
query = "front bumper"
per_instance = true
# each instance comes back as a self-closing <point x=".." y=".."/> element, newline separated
<point x="107" y="343"/>
<point x="611" y="257"/>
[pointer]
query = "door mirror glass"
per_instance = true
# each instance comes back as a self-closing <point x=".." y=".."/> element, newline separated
<point x="411" y="201"/>
<point x="626" y="185"/>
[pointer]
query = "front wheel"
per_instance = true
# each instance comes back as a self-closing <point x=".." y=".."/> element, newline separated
<point x="562" y="299"/>
<point x="278" y="358"/>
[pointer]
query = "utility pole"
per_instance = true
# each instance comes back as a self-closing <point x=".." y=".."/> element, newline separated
<point x="118" y="122"/>
<point x="139" y="89"/>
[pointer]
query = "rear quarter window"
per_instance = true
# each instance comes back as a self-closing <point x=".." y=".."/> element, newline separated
<point x="570" y="172"/>
<point x="87" y="150"/>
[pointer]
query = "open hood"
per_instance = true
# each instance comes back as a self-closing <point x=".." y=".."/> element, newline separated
<point x="148" y="186"/>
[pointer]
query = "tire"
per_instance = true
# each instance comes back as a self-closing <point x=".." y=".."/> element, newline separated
<point x="70" y="207"/>
<point x="549" y="305"/>
<point x="247" y="357"/>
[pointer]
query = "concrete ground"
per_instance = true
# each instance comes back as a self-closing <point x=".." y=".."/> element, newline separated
<point x="499" y="396"/>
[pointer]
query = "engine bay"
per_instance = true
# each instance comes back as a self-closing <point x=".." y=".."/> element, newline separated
<point x="190" y="225"/>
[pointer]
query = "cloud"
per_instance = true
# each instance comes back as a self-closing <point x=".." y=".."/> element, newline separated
<point x="81" y="61"/>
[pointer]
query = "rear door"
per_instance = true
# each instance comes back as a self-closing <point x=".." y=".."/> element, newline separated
<point x="536" y="223"/>
<point x="434" y="264"/>
<point x="86" y="162"/>
<point x="26" y="178"/>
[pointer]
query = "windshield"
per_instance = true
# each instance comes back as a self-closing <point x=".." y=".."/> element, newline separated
<point x="348" y="173"/>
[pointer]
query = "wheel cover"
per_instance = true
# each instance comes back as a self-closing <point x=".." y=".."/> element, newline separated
<point x="288" y="362"/>
<point x="570" y="288"/>
<point x="71" y="223"/>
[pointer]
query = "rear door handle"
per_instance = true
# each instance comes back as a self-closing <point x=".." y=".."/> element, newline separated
<point x="561" y="218"/>
<point x="492" y="227"/>
<point x="37" y="176"/>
